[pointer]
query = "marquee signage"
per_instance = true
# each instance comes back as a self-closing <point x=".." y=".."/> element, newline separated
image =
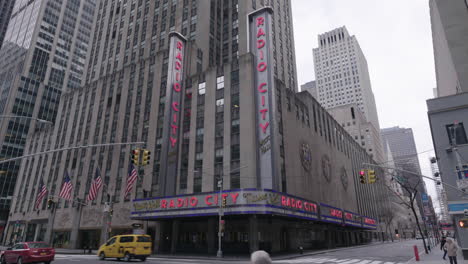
<point x="236" y="201"/>
<point x="245" y="201"/>
<point x="172" y="113"/>
<point x="260" y="46"/>
<point x="331" y="214"/>
<point x="369" y="222"/>
<point x="352" y="219"/>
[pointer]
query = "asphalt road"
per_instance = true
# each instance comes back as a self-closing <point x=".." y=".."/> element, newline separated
<point x="385" y="253"/>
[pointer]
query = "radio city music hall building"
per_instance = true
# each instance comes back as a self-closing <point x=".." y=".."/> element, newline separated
<point x="289" y="171"/>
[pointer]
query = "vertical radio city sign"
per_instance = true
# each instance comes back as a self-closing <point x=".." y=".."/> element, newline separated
<point x="172" y="113"/>
<point x="260" y="24"/>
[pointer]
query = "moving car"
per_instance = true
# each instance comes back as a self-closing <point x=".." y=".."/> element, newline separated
<point x="28" y="252"/>
<point x="126" y="247"/>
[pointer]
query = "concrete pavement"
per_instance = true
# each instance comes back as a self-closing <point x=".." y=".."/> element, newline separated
<point x="377" y="253"/>
<point x="435" y="257"/>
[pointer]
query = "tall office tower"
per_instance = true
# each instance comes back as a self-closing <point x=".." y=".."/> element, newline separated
<point x="441" y="195"/>
<point x="215" y="102"/>
<point x="405" y="156"/>
<point x="43" y="55"/>
<point x="342" y="75"/>
<point x="449" y="20"/>
<point x="6" y="6"/>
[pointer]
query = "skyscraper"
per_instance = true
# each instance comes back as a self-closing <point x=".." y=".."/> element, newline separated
<point x="6" y="6"/>
<point x="341" y="73"/>
<point x="43" y="55"/>
<point x="209" y="88"/>
<point x="400" y="142"/>
<point x="449" y="21"/>
<point x="343" y="87"/>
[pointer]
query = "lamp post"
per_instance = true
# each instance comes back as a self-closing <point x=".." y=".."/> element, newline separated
<point x="219" y="253"/>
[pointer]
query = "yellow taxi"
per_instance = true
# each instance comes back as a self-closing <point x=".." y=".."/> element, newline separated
<point x="126" y="247"/>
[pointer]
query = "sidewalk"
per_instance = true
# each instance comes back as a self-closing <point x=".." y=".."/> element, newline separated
<point x="435" y="257"/>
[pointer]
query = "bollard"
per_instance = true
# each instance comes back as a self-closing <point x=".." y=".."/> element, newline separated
<point x="416" y="253"/>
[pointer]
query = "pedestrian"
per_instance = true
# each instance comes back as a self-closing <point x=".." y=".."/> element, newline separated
<point x="442" y="243"/>
<point x="451" y="248"/>
<point x="260" y="257"/>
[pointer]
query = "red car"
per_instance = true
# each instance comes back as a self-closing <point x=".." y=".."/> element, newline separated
<point x="28" y="252"/>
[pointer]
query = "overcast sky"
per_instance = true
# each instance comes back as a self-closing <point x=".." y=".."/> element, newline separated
<point x="395" y="36"/>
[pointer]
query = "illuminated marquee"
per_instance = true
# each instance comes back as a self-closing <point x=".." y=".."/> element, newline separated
<point x="172" y="113"/>
<point x="264" y="90"/>
<point x="237" y="201"/>
<point x="331" y="214"/>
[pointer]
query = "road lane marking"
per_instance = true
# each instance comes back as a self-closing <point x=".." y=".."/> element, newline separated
<point x="364" y="261"/>
<point x="350" y="261"/>
<point x="376" y="262"/>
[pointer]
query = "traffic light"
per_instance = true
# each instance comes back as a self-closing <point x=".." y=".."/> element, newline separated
<point x="371" y="175"/>
<point x="146" y="157"/>
<point x="222" y="225"/>
<point x="362" y="176"/>
<point x="136" y="156"/>
<point x="463" y="223"/>
<point x="224" y="202"/>
<point x="50" y="203"/>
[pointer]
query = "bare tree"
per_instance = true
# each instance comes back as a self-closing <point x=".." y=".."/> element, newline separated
<point x="412" y="190"/>
<point x="387" y="215"/>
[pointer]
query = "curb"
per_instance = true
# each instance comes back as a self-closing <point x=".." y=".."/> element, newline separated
<point x="414" y="258"/>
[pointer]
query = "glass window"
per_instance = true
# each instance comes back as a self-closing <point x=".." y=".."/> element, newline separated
<point x="111" y="241"/>
<point x="38" y="245"/>
<point x="202" y="88"/>
<point x="143" y="239"/>
<point x="220" y="82"/>
<point x="126" y="239"/>
<point x="456" y="134"/>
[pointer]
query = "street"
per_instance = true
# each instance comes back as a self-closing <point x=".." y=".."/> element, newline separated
<point x="386" y="253"/>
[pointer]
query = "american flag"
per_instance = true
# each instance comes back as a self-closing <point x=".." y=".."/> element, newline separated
<point x="132" y="177"/>
<point x="66" y="191"/>
<point x="42" y="192"/>
<point x="95" y="186"/>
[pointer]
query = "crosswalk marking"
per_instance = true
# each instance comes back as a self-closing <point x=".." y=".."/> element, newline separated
<point x="350" y="261"/>
<point x="320" y="260"/>
<point x="364" y="261"/>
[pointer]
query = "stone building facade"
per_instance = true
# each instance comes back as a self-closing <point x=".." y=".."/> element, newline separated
<point x="305" y="188"/>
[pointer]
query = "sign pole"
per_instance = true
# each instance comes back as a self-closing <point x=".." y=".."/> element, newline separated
<point x="219" y="254"/>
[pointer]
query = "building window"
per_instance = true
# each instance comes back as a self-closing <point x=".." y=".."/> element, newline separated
<point x="202" y="88"/>
<point x="456" y="134"/>
<point x="220" y="82"/>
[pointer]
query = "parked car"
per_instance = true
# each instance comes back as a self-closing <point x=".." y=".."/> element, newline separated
<point x="126" y="247"/>
<point x="28" y="252"/>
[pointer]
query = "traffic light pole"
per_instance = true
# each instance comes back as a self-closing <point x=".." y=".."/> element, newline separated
<point x="219" y="254"/>
<point x="417" y="174"/>
<point x="70" y="148"/>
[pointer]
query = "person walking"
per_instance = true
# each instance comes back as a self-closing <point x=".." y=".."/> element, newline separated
<point x="442" y="243"/>
<point x="452" y="249"/>
<point x="260" y="257"/>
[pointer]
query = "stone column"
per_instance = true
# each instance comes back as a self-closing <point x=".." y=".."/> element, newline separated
<point x="76" y="214"/>
<point x="211" y="235"/>
<point x="175" y="236"/>
<point x="253" y="233"/>
<point x="50" y="225"/>
<point x="36" y="232"/>
<point x="157" y="237"/>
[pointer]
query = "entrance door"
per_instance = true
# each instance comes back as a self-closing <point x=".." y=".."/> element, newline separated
<point x="284" y="240"/>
